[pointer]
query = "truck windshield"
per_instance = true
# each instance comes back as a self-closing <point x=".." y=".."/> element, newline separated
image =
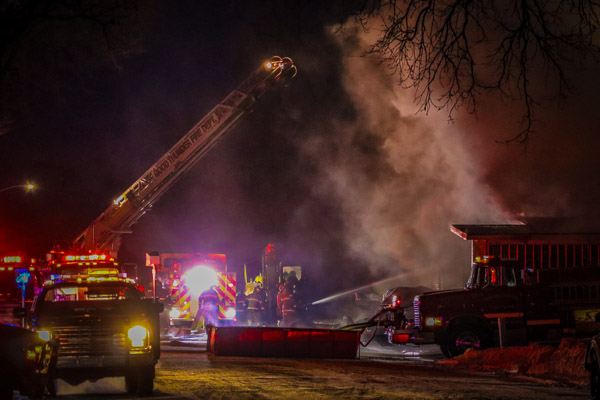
<point x="483" y="275"/>
<point x="87" y="293"/>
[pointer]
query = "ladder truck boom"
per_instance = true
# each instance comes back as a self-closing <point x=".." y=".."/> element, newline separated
<point x="104" y="233"/>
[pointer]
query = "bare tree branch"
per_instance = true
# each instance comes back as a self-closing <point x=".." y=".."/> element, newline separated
<point x="451" y="52"/>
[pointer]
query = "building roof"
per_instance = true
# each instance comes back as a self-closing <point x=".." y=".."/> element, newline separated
<point x="534" y="229"/>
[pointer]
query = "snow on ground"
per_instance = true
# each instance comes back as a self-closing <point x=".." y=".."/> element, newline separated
<point x="562" y="364"/>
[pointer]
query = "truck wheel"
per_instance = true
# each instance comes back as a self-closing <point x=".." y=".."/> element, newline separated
<point x="462" y="337"/>
<point x="146" y="381"/>
<point x="131" y="383"/>
<point x="445" y="350"/>
<point x="594" y="377"/>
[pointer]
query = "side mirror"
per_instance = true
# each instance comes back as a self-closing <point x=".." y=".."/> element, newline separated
<point x="19" y="312"/>
<point x="159" y="307"/>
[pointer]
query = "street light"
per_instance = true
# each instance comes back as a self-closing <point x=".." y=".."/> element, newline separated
<point x="28" y="187"/>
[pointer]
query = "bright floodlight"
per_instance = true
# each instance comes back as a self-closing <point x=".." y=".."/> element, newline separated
<point x="28" y="186"/>
<point x="199" y="278"/>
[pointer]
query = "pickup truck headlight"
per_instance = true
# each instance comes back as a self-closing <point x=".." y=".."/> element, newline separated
<point x="138" y="336"/>
<point x="44" y="334"/>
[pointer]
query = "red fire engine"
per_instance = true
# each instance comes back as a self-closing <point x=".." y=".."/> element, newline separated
<point x="104" y="233"/>
<point x="182" y="277"/>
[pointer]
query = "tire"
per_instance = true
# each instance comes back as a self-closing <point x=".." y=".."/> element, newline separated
<point x="594" y="377"/>
<point x="50" y="390"/>
<point x="131" y="383"/>
<point x="145" y="381"/>
<point x="462" y="337"/>
<point x="445" y="350"/>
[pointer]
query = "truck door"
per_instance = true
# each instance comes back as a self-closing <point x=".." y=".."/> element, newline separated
<point x="502" y="303"/>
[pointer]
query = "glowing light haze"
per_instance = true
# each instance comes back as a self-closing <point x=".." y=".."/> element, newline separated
<point x="199" y="278"/>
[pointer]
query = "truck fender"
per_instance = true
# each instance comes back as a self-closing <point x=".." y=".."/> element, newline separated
<point x="469" y="320"/>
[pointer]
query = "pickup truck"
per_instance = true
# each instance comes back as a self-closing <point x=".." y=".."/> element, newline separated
<point x="104" y="326"/>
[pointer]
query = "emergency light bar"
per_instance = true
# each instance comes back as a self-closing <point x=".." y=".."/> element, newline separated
<point x="87" y="278"/>
<point x="12" y="260"/>
<point x="88" y="257"/>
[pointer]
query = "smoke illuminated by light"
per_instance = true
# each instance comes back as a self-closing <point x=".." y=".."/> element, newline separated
<point x="401" y="178"/>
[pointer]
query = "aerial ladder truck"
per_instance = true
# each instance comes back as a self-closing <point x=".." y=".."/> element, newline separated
<point x="104" y="233"/>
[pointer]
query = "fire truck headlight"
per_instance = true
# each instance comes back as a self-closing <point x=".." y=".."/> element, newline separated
<point x="433" y="321"/>
<point x="138" y="336"/>
<point x="45" y="335"/>
<point x="230" y="313"/>
<point x="175" y="313"/>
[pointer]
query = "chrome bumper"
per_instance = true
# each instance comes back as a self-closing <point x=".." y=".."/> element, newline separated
<point x="104" y="361"/>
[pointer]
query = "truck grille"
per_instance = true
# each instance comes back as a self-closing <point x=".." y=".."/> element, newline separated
<point x="417" y="312"/>
<point x="90" y="341"/>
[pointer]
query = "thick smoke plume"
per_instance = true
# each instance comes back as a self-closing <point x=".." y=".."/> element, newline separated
<point x="401" y="179"/>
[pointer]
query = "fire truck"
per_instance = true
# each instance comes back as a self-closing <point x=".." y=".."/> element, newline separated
<point x="20" y="281"/>
<point x="104" y="233"/>
<point x="535" y="282"/>
<point x="182" y="277"/>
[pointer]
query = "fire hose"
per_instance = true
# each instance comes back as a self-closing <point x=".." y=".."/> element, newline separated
<point x="373" y="321"/>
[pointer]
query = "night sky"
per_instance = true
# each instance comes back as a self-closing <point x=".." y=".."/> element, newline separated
<point x="337" y="169"/>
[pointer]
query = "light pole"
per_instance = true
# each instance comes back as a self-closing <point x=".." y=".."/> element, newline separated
<point x="28" y="187"/>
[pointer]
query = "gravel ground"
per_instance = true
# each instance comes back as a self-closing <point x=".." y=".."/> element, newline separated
<point x="531" y="372"/>
<point x="202" y="376"/>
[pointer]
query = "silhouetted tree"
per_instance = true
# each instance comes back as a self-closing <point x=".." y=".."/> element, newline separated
<point x="453" y="51"/>
<point x="42" y="40"/>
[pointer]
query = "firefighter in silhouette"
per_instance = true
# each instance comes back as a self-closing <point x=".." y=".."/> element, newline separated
<point x="208" y="308"/>
<point x="256" y="306"/>
<point x="279" y="295"/>
<point x="241" y="308"/>
<point x="289" y="305"/>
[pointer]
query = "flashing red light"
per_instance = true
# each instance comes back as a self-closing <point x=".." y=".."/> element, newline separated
<point x="400" y="338"/>
<point x="270" y="248"/>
